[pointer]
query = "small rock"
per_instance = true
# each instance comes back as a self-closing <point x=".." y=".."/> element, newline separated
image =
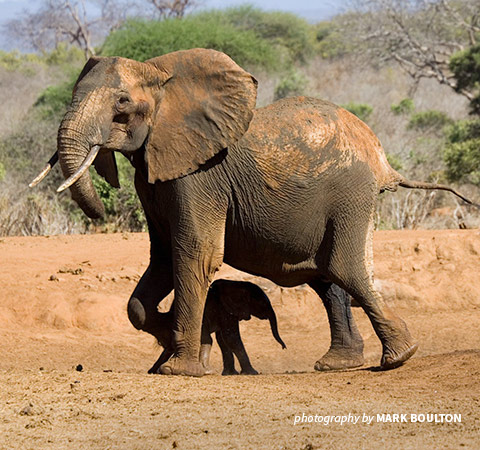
<point x="27" y="410"/>
<point x="79" y="368"/>
<point x="53" y="278"/>
<point x="76" y="271"/>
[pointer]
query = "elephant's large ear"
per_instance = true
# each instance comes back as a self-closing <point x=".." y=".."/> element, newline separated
<point x="106" y="166"/>
<point x="207" y="105"/>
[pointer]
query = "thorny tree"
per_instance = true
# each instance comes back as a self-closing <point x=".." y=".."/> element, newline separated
<point x="172" y="8"/>
<point x="85" y="23"/>
<point x="420" y="35"/>
<point x="78" y="22"/>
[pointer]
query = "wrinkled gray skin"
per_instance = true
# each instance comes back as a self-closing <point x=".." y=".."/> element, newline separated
<point x="287" y="192"/>
<point x="228" y="302"/>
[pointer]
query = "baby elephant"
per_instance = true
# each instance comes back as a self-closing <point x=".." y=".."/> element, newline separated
<point x="227" y="303"/>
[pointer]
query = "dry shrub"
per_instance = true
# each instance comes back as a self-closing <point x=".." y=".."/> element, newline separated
<point x="25" y="213"/>
<point x="19" y="90"/>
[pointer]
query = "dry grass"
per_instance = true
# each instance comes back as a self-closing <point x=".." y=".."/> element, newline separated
<point x="19" y="90"/>
<point x="24" y="213"/>
<point x="340" y="81"/>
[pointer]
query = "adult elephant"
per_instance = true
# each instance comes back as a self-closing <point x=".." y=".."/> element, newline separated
<point x="286" y="192"/>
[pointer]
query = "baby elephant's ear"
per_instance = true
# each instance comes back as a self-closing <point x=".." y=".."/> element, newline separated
<point x="207" y="105"/>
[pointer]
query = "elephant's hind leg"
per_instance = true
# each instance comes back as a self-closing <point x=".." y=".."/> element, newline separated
<point x="346" y="345"/>
<point x="351" y="267"/>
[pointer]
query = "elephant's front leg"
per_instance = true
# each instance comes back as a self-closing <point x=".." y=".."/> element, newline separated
<point x="155" y="284"/>
<point x="194" y="265"/>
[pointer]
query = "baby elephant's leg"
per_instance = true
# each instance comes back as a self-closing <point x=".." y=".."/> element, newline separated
<point x="164" y="357"/>
<point x="227" y="356"/>
<point x="231" y="336"/>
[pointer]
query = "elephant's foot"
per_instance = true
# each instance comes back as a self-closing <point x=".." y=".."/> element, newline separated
<point x="229" y="371"/>
<point x="340" y="359"/>
<point x="181" y="366"/>
<point x="397" y="348"/>
<point x="249" y="371"/>
<point x="208" y="369"/>
<point x="395" y="356"/>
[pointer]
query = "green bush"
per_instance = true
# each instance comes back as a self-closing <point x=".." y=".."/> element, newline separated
<point x="330" y="40"/>
<point x="462" y="151"/>
<point x="465" y="66"/>
<point x="394" y="161"/>
<point x="53" y="101"/>
<point x="65" y="56"/>
<point x="15" y="60"/>
<point x="123" y="210"/>
<point x="292" y="84"/>
<point x="141" y="40"/>
<point x="289" y="33"/>
<point x="2" y="171"/>
<point x="361" y="110"/>
<point x="464" y="130"/>
<point x="431" y="119"/>
<point x="405" y="107"/>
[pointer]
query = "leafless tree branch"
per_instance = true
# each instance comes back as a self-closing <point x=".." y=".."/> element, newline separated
<point x="420" y="35"/>
<point x="172" y="8"/>
<point x="78" y="22"/>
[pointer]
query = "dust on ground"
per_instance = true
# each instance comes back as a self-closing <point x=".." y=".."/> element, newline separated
<point x="63" y="305"/>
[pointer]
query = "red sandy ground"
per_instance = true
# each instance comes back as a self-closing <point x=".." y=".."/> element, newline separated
<point x="63" y="302"/>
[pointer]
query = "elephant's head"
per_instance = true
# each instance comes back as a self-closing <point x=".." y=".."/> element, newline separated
<point x="181" y="108"/>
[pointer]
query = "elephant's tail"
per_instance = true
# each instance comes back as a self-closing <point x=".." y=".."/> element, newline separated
<point x="434" y="186"/>
<point x="399" y="180"/>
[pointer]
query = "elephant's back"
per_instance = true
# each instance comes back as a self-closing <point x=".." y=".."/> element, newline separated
<point x="310" y="136"/>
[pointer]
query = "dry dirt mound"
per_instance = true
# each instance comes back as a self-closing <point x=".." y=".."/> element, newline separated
<point x="83" y="282"/>
<point x="63" y="303"/>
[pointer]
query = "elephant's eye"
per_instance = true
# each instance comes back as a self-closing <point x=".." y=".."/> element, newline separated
<point x="122" y="103"/>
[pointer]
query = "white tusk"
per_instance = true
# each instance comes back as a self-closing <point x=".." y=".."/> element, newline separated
<point x="51" y="162"/>
<point x="82" y="169"/>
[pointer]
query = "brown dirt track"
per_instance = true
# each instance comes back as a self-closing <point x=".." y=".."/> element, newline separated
<point x="63" y="303"/>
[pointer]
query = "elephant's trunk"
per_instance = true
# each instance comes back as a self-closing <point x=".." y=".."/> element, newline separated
<point x="273" y="325"/>
<point x="76" y="137"/>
